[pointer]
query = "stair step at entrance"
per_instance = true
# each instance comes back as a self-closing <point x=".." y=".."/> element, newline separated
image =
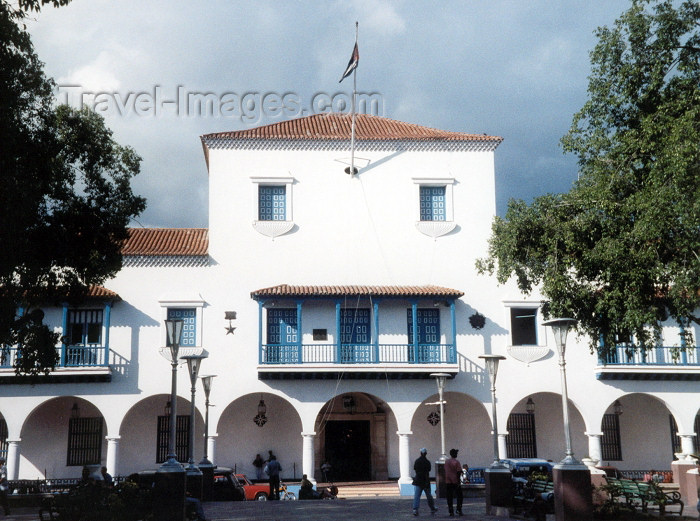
<point x="384" y="489"/>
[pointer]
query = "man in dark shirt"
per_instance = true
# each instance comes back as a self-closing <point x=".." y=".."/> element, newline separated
<point x="273" y="470"/>
<point x="421" y="482"/>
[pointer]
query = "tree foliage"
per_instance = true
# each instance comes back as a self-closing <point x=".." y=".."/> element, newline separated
<point x="66" y="198"/>
<point x="620" y="251"/>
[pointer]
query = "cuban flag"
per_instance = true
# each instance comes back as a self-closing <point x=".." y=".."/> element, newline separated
<point x="352" y="64"/>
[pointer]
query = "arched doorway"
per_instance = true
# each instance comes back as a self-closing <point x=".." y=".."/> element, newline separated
<point x="352" y="438"/>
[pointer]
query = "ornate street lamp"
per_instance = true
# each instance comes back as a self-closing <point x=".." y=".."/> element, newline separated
<point x="560" y="329"/>
<point x="206" y="466"/>
<point x="440" y="381"/>
<point x="572" y="479"/>
<point x="492" y="368"/>
<point x="173" y="328"/>
<point x="194" y="475"/>
<point x="497" y="477"/>
<point x="206" y="384"/>
<point x="170" y="479"/>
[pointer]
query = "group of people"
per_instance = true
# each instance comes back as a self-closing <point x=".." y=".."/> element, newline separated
<point x="272" y="468"/>
<point x="453" y="484"/>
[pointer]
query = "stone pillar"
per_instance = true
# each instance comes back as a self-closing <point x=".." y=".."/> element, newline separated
<point x="13" y="452"/>
<point x="687" y="443"/>
<point x="113" y="455"/>
<point x="211" y="448"/>
<point x="573" y="494"/>
<point x="307" y="458"/>
<point x="692" y="503"/>
<point x="502" y="448"/>
<point x="405" y="458"/>
<point x="680" y="469"/>
<point x="595" y="447"/>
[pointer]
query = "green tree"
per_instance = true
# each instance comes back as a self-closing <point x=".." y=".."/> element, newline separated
<point x="620" y="251"/>
<point x="66" y="198"/>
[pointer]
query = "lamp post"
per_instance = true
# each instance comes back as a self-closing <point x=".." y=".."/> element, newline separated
<point x="206" y="466"/>
<point x="572" y="479"/>
<point x="169" y="489"/>
<point x="497" y="476"/>
<point x="194" y="475"/>
<point x="440" y="464"/>
<point x="440" y="381"/>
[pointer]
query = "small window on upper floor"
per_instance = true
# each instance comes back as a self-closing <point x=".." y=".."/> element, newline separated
<point x="432" y="203"/>
<point x="272" y="205"/>
<point x="434" y="208"/>
<point x="84" y="327"/>
<point x="190" y="311"/>
<point x="523" y="326"/>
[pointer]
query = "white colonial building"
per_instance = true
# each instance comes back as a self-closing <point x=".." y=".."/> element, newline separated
<point x="348" y="292"/>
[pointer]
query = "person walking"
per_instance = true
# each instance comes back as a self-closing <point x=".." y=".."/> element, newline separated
<point x="273" y="469"/>
<point x="4" y="486"/>
<point x="421" y="482"/>
<point x="453" y="486"/>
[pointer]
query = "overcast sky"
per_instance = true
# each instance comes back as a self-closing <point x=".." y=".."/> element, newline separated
<point x="511" y="68"/>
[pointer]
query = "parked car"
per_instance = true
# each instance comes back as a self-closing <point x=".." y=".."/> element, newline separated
<point x="523" y="467"/>
<point x="226" y="487"/>
<point x="253" y="491"/>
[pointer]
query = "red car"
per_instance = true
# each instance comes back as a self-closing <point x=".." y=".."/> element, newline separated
<point x="253" y="491"/>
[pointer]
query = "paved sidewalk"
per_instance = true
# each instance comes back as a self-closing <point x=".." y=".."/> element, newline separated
<point x="352" y="509"/>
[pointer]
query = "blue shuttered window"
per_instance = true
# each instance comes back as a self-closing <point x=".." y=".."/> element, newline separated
<point x="428" y="334"/>
<point x="272" y="203"/>
<point x="355" y="336"/>
<point x="432" y="203"/>
<point x="282" y="336"/>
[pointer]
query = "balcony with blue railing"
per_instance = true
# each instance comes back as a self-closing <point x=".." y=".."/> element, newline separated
<point x="659" y="363"/>
<point x="402" y="354"/>
<point x="90" y="361"/>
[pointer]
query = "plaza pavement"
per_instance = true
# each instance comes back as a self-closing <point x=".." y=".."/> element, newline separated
<point x="351" y="509"/>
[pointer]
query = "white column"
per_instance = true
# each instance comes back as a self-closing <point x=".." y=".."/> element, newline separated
<point x="502" y="450"/>
<point x="595" y="450"/>
<point x="211" y="448"/>
<point x="405" y="457"/>
<point x="687" y="444"/>
<point x="307" y="461"/>
<point x="113" y="455"/>
<point x="13" y="451"/>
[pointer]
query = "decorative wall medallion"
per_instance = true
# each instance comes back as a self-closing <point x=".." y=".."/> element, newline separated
<point x="477" y="320"/>
<point x="433" y="418"/>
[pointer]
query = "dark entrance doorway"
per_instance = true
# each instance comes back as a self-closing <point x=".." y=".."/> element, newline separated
<point x="348" y="450"/>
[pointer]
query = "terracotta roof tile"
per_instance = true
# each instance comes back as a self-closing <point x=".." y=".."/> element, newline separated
<point x="101" y="292"/>
<point x="285" y="290"/>
<point x="166" y="241"/>
<point x="334" y="126"/>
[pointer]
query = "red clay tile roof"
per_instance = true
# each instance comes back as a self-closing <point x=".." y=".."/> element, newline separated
<point x="166" y="241"/>
<point x="334" y="126"/>
<point x="285" y="290"/>
<point x="101" y="292"/>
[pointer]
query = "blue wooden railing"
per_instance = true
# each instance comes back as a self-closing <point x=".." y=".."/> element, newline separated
<point x="68" y="356"/>
<point x="662" y="355"/>
<point x="281" y="354"/>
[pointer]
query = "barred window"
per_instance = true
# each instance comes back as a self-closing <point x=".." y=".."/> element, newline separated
<point x="189" y="324"/>
<point x="521" y="441"/>
<point x="611" y="448"/>
<point x="84" y="441"/>
<point x="3" y="438"/>
<point x="182" y="438"/>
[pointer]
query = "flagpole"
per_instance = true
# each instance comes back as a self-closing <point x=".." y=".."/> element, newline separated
<point x="354" y="95"/>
